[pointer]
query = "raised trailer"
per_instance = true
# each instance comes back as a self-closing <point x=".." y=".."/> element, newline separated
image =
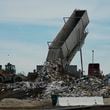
<point x="70" y="39"/>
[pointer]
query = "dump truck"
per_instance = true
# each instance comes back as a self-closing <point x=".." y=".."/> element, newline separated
<point x="69" y="40"/>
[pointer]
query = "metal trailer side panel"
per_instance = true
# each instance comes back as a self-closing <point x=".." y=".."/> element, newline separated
<point x="69" y="26"/>
<point x="53" y="52"/>
<point x="65" y="31"/>
<point x="66" y="43"/>
<point x="76" y="38"/>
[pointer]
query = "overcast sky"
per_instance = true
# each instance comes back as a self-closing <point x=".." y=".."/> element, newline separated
<point x="27" y="25"/>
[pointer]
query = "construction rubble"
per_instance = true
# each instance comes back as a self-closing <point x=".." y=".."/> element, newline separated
<point x="50" y="81"/>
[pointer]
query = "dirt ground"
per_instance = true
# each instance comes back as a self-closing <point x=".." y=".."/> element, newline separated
<point x="12" y="102"/>
<point x="107" y="101"/>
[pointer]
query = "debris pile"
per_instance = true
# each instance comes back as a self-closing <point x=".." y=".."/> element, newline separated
<point x="20" y="90"/>
<point x="50" y="81"/>
<point x="64" y="85"/>
<point x="83" y="87"/>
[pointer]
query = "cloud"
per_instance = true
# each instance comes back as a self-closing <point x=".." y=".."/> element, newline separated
<point x="50" y="12"/>
<point x="34" y="10"/>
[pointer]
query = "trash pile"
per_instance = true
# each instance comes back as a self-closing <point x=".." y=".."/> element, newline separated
<point x="51" y="80"/>
<point x="56" y="82"/>
<point x="20" y="90"/>
<point x="80" y="88"/>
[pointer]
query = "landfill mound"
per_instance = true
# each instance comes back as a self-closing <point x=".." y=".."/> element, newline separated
<point x="65" y="85"/>
<point x="50" y="81"/>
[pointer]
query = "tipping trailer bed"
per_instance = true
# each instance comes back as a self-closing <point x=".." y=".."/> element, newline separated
<point x="70" y="39"/>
